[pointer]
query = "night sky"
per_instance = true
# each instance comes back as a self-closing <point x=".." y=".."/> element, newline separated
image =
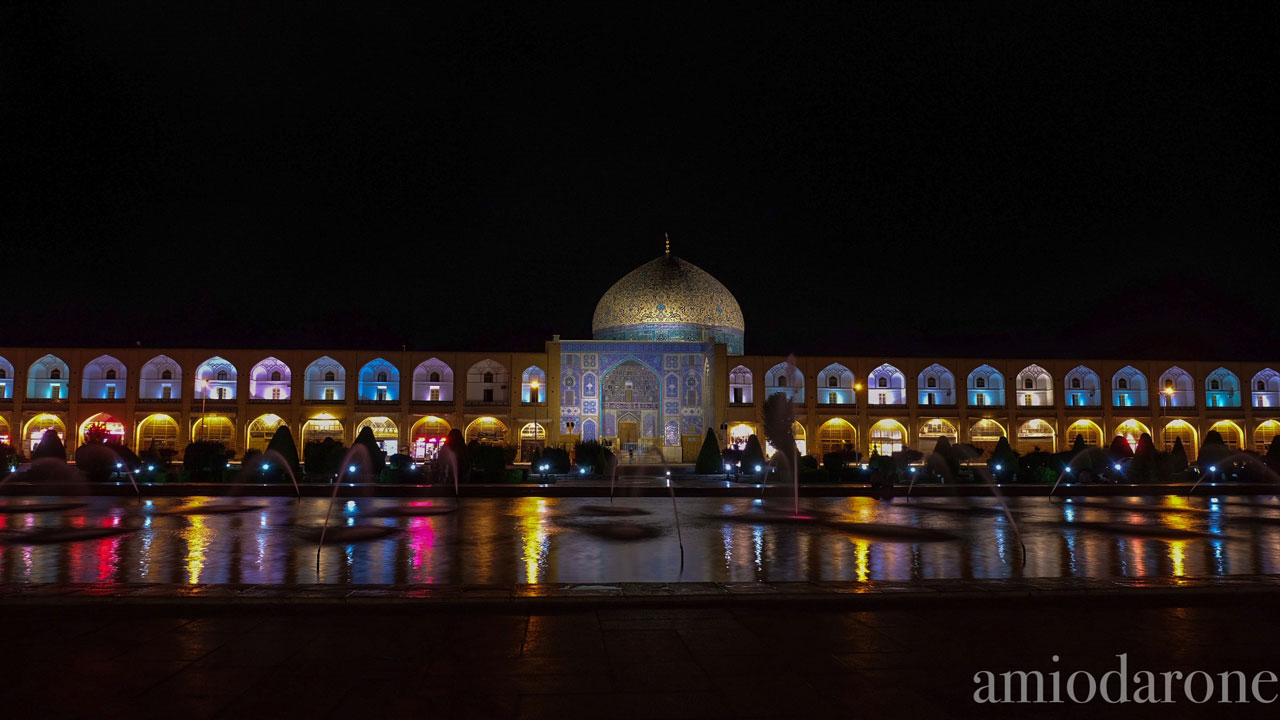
<point x="1096" y="181"/>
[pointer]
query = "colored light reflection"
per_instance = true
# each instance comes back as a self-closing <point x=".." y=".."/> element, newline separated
<point x="197" y="536"/>
<point x="533" y="537"/>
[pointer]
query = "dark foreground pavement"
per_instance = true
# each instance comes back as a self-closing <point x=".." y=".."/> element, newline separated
<point x="612" y="659"/>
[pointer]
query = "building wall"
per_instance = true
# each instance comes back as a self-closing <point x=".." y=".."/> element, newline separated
<point x="912" y="414"/>
<point x="1199" y="406"/>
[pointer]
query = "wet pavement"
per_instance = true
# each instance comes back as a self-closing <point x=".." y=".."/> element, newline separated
<point x="524" y="540"/>
<point x="781" y="661"/>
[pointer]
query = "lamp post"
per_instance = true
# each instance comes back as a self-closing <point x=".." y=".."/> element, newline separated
<point x="533" y="385"/>
<point x="204" y="396"/>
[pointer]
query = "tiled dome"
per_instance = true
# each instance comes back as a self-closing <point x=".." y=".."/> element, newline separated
<point x="669" y="299"/>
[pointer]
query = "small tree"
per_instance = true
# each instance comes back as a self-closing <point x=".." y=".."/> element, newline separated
<point x="1119" y="448"/>
<point x="1079" y="445"/>
<point x="1004" y="460"/>
<point x="323" y="457"/>
<point x="1177" y="457"/>
<point x="1213" y="437"/>
<point x="752" y="455"/>
<point x="779" y="425"/>
<point x="365" y="437"/>
<point x="205" y="461"/>
<point x="709" y="457"/>
<point x="50" y="446"/>
<point x="1273" y="454"/>
<point x="282" y="442"/>
<point x="943" y="451"/>
<point x="1146" y="460"/>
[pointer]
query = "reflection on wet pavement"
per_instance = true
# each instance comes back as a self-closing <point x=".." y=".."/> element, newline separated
<point x="506" y="541"/>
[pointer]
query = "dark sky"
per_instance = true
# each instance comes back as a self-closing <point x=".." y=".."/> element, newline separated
<point x="1092" y="180"/>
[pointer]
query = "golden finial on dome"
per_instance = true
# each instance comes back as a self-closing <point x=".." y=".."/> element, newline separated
<point x="668" y="237"/>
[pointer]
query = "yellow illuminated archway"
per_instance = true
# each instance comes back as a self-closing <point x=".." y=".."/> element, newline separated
<point x="887" y="437"/>
<point x="1181" y="430"/>
<point x="985" y="434"/>
<point x="1131" y="430"/>
<point x="1264" y="435"/>
<point x="36" y="427"/>
<point x="1036" y="433"/>
<point x="113" y="427"/>
<point x="158" y="431"/>
<point x="4" y="431"/>
<point x="1086" y="429"/>
<point x="214" y="428"/>
<point x="836" y="435"/>
<point x="260" y="431"/>
<point x="487" y="430"/>
<point x="738" y="434"/>
<point x="1231" y="434"/>
<point x="320" y="427"/>
<point x="931" y="430"/>
<point x="426" y="436"/>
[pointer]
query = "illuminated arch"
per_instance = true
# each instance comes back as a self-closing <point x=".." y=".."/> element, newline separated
<point x="1184" y="431"/>
<point x="1177" y="389"/>
<point x="216" y="379"/>
<point x="837" y="435"/>
<point x="321" y="427"/>
<point x="1034" y="387"/>
<point x="1129" y="388"/>
<point x="433" y="381"/>
<point x="487" y="430"/>
<point x="1264" y="435"/>
<point x="936" y="386"/>
<point x="533" y="374"/>
<point x="739" y="433"/>
<point x="48" y="378"/>
<point x="986" y="387"/>
<point x="113" y="426"/>
<point x="37" y="426"/>
<point x="1086" y="429"/>
<point x="1131" y="430"/>
<point x="5" y="435"/>
<point x="1222" y="389"/>
<point x="270" y="379"/>
<point x="214" y="428"/>
<point x="160" y="379"/>
<point x="6" y="379"/>
<point x="887" y="437"/>
<point x="931" y="430"/>
<point x="1083" y="387"/>
<point x="1036" y="433"/>
<point x="487" y="382"/>
<point x="835" y="385"/>
<point x="1231" y="434"/>
<point x="157" y="432"/>
<point x="740" y="386"/>
<point x="589" y="430"/>
<point x="533" y="432"/>
<point x="103" y="379"/>
<point x="1264" y="389"/>
<point x="985" y="433"/>
<point x="426" y="437"/>
<point x="385" y="432"/>
<point x="324" y="379"/>
<point x="785" y="379"/>
<point x="886" y="385"/>
<point x="259" y="433"/>
<point x="379" y="382"/>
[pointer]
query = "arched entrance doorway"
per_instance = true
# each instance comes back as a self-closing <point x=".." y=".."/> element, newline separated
<point x="631" y="396"/>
